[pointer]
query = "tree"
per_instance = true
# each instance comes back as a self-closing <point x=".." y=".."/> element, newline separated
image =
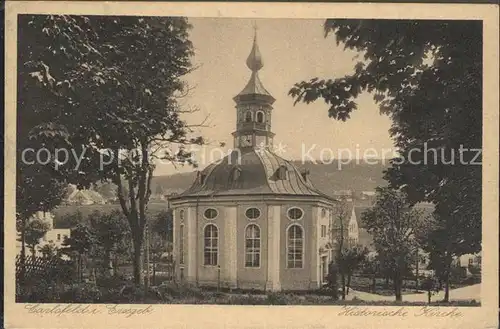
<point x="80" y="242"/>
<point x="163" y="225"/>
<point x="427" y="76"/>
<point x="111" y="230"/>
<point x="332" y="280"/>
<point x="349" y="260"/>
<point x="441" y="239"/>
<point x="113" y="86"/>
<point x="35" y="230"/>
<point x="338" y="233"/>
<point x="48" y="250"/>
<point x="394" y="224"/>
<point x="69" y="220"/>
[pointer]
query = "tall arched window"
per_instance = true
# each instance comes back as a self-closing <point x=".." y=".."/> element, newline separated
<point x="252" y="246"/>
<point x="211" y="247"/>
<point x="248" y="116"/>
<point x="295" y="244"/>
<point x="260" y="117"/>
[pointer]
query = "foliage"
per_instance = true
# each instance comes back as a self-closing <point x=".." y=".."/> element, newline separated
<point x="81" y="293"/>
<point x="81" y="239"/>
<point x="69" y="220"/>
<point x="34" y="232"/>
<point x="48" y="250"/>
<point x="332" y="280"/>
<point x="110" y="92"/>
<point x="350" y="259"/>
<point x="164" y="224"/>
<point x="426" y="76"/>
<point x="442" y="239"/>
<point x="394" y="225"/>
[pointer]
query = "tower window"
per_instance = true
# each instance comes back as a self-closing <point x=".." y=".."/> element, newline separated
<point x="211" y="247"/>
<point x="236" y="173"/>
<point x="248" y="116"/>
<point x="201" y="177"/>
<point x="295" y="246"/>
<point x="252" y="246"/>
<point x="282" y="172"/>
<point x="260" y="117"/>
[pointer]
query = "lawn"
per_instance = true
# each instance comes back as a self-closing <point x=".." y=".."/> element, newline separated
<point x="363" y="283"/>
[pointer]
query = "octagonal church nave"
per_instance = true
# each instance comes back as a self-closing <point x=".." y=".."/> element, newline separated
<point x="253" y="220"/>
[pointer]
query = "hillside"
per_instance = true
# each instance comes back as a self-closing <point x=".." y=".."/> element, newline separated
<point x="326" y="177"/>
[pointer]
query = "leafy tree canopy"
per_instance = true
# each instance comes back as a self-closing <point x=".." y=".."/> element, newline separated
<point x="426" y="76"/>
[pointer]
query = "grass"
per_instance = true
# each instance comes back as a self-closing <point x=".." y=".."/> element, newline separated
<point x="362" y="283"/>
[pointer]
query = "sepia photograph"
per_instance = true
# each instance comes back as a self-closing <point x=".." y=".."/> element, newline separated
<point x="179" y="159"/>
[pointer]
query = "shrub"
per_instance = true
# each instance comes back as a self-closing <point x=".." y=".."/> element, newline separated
<point x="246" y="300"/>
<point x="81" y="293"/>
<point x="179" y="290"/>
<point x="41" y="291"/>
<point x="275" y="298"/>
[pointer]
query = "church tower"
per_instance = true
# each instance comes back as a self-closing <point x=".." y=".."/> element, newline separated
<point x="254" y="108"/>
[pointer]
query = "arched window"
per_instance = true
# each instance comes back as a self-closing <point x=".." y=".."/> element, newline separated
<point x="211" y="246"/>
<point x="295" y="244"/>
<point x="248" y="116"/>
<point x="260" y="117"/>
<point x="252" y="246"/>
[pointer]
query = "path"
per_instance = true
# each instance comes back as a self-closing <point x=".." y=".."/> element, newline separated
<point x="464" y="293"/>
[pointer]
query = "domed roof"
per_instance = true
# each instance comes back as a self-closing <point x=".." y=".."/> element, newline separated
<point x="256" y="173"/>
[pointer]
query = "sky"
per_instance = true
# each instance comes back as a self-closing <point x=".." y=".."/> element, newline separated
<point x="293" y="50"/>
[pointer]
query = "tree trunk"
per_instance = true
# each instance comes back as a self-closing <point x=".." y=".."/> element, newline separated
<point x="80" y="270"/>
<point x="386" y="281"/>
<point x="397" y="287"/>
<point x="447" y="273"/>
<point x="137" y="260"/>
<point x="374" y="283"/>
<point x="447" y="288"/>
<point x="22" y="275"/>
<point x="342" y="279"/>
<point x="349" y="275"/>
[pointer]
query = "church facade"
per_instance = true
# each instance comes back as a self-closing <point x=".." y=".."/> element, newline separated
<point x="253" y="220"/>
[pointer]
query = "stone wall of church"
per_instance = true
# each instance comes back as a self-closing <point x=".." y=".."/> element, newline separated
<point x="305" y="277"/>
<point x="252" y="277"/>
<point x="231" y="271"/>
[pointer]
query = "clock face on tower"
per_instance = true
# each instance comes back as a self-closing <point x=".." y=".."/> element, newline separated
<point x="246" y="141"/>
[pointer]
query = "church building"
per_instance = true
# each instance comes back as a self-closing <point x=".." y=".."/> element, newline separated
<point x="253" y="220"/>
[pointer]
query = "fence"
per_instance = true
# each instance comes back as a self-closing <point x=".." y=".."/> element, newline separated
<point x="38" y="267"/>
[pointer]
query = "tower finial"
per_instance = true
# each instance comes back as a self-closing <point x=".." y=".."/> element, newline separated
<point x="254" y="60"/>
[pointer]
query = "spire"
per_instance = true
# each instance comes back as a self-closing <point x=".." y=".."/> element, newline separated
<point x="254" y="60"/>
<point x="255" y="63"/>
